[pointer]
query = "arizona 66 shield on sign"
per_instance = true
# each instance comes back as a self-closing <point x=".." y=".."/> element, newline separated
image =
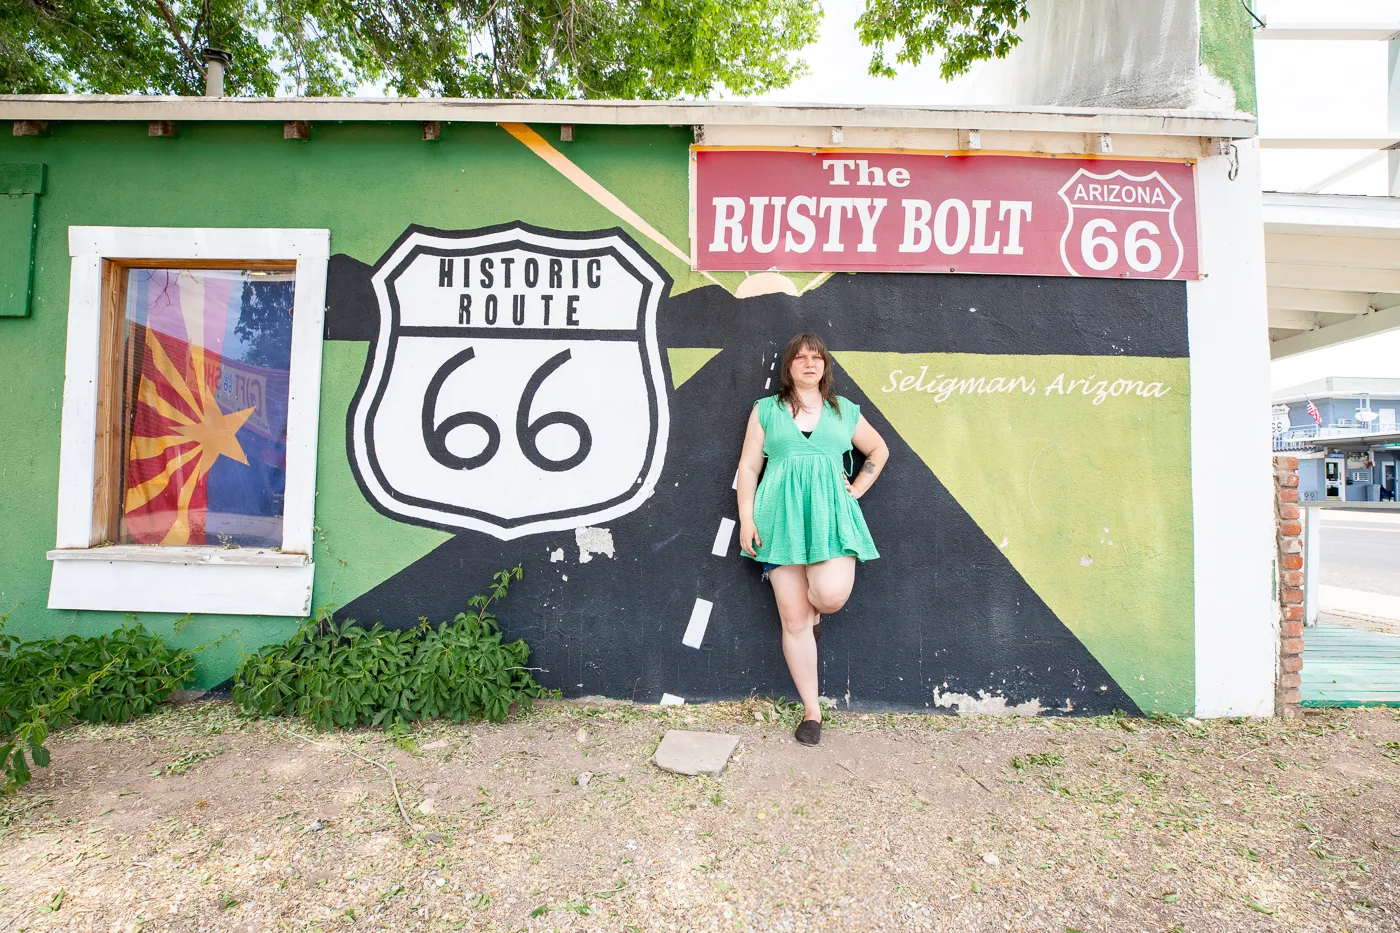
<point x="515" y="386"/>
<point x="1121" y="223"/>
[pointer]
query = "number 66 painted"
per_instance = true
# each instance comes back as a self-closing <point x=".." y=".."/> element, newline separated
<point x="526" y="431"/>
<point x="1120" y="224"/>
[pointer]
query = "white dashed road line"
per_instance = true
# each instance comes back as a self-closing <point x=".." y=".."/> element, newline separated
<point x="699" y="620"/>
<point x="694" y="635"/>
<point x="721" y="545"/>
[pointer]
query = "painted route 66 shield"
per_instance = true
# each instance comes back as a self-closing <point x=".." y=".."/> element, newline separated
<point x="515" y="386"/>
<point x="1121" y="225"/>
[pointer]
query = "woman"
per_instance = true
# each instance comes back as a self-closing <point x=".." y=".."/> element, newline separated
<point x="802" y="521"/>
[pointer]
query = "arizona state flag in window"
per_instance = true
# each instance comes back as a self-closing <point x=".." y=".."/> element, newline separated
<point x="205" y="383"/>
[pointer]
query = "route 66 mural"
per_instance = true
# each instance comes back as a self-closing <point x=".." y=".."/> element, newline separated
<point x="519" y="386"/>
<point x="515" y="386"/>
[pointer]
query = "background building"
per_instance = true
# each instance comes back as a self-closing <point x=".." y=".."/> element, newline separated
<point x="1357" y="434"/>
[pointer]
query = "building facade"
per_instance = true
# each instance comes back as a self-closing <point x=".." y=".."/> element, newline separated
<point x="270" y="357"/>
<point x="1354" y="438"/>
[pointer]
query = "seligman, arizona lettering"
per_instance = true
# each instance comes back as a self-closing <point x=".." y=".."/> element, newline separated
<point x="943" y="386"/>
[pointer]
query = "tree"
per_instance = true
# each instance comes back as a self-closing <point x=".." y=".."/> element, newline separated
<point x="966" y="31"/>
<point x="457" y="48"/>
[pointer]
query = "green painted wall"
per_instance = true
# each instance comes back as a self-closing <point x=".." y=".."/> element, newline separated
<point x="1131" y="608"/>
<point x="1227" y="48"/>
<point x="365" y="182"/>
<point x="1085" y="500"/>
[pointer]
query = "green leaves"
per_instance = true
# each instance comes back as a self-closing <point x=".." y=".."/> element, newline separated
<point x="457" y="48"/>
<point x="966" y="32"/>
<point x="1042" y="760"/>
<point x="125" y="46"/>
<point x="107" y="678"/>
<point x="339" y="674"/>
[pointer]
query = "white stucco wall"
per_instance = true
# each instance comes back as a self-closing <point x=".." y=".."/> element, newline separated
<point x="1231" y="453"/>
<point x="1106" y="53"/>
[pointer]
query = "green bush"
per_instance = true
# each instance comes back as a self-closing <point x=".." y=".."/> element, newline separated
<point x="46" y="684"/>
<point x="339" y="674"/>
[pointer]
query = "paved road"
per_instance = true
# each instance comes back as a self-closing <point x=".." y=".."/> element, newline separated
<point x="1361" y="551"/>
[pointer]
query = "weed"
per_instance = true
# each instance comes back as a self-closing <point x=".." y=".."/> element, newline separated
<point x="47" y="684"/>
<point x="339" y="674"/>
<point x="188" y="760"/>
<point x="1042" y="760"/>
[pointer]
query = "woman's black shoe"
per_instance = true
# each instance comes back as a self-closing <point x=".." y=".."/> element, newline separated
<point x="809" y="732"/>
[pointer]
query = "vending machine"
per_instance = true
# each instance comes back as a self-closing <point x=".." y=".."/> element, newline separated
<point x="1334" y="478"/>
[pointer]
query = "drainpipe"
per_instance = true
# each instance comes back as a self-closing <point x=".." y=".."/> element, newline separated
<point x="215" y="61"/>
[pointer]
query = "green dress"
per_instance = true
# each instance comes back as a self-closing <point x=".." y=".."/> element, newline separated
<point x="802" y="510"/>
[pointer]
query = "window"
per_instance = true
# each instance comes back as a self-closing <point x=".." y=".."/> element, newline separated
<point x="188" y="457"/>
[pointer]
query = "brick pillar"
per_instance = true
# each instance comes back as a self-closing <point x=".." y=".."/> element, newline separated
<point x="1288" y="528"/>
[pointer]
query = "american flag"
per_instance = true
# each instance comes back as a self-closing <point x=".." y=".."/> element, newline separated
<point x="1316" y="415"/>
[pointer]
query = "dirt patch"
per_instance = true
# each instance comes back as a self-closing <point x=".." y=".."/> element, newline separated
<point x="197" y="819"/>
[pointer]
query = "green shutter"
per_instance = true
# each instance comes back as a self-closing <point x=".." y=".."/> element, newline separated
<point x="20" y="187"/>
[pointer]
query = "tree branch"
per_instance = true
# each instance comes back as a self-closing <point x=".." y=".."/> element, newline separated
<point x="175" y="30"/>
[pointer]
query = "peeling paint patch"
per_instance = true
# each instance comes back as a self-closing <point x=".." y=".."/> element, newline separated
<point x="1085" y="561"/>
<point x="593" y="541"/>
<point x="556" y="555"/>
<point x="985" y="704"/>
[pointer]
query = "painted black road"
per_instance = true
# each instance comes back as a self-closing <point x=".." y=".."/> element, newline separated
<point x="941" y="610"/>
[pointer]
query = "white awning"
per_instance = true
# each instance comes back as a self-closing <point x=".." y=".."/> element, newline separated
<point x="1333" y="269"/>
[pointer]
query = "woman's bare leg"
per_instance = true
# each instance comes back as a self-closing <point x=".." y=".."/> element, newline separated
<point x="829" y="583"/>
<point x="790" y="586"/>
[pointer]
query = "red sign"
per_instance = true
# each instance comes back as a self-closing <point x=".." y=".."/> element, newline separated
<point x="883" y="211"/>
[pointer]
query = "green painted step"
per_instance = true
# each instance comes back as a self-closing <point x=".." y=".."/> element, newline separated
<point x="1348" y="667"/>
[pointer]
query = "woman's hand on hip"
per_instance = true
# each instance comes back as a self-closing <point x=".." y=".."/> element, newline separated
<point x="855" y="491"/>
<point x="749" y="541"/>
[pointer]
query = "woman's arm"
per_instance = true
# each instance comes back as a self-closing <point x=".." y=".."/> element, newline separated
<point x="869" y="442"/>
<point x="750" y="466"/>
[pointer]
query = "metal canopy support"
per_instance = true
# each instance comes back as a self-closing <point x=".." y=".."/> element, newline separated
<point x="1329" y="31"/>
<point x="1312" y="563"/>
<point x="1392" y="115"/>
<point x="1359" y="327"/>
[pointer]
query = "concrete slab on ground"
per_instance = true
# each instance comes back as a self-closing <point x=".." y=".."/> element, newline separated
<point x="692" y="753"/>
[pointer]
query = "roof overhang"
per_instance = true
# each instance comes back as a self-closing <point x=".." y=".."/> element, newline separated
<point x="1339" y="387"/>
<point x="1358" y="442"/>
<point x="60" y="107"/>
<point x="1333" y="269"/>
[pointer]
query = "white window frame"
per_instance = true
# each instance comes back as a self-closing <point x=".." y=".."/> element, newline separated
<point x="143" y="578"/>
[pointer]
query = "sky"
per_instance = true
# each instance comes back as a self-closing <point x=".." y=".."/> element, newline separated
<point x="1320" y="88"/>
<point x="1305" y="89"/>
<point x="839" y="74"/>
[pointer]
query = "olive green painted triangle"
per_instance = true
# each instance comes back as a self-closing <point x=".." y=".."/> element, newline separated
<point x="686" y="362"/>
<point x="1088" y="497"/>
<point x="355" y="548"/>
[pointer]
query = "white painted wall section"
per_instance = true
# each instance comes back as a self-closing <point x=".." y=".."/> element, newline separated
<point x="1231" y="453"/>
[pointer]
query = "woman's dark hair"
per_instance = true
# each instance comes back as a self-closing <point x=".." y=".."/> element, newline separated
<point x="787" y="391"/>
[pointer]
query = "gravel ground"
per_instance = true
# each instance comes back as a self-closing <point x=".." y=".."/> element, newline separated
<point x="197" y="819"/>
